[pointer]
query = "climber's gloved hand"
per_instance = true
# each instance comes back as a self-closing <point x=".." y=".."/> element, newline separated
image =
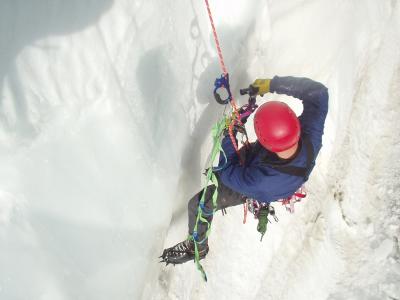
<point x="260" y="87"/>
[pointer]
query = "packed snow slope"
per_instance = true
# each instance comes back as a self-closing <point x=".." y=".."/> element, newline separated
<point x="105" y="112"/>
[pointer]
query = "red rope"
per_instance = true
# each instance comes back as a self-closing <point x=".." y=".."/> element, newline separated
<point x="225" y="71"/>
<point x="232" y="102"/>
<point x="221" y="59"/>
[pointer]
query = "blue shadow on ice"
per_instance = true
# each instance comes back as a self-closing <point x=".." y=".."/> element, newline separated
<point x="21" y="24"/>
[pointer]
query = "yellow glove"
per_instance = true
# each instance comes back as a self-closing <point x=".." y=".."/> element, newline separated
<point x="262" y="86"/>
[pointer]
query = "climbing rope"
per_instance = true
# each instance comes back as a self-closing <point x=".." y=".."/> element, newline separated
<point x="227" y="122"/>
<point x="226" y="76"/>
<point x="221" y="58"/>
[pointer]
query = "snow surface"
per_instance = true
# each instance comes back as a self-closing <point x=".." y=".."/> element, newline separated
<point x="105" y="113"/>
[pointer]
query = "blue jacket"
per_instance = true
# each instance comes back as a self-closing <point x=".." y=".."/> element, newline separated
<point x="260" y="180"/>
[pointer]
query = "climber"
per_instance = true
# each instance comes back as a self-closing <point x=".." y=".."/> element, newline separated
<point x="274" y="167"/>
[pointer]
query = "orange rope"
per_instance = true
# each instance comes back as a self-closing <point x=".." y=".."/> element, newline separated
<point x="225" y="72"/>
<point x="221" y="59"/>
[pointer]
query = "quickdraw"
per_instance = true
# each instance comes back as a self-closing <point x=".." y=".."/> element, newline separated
<point x="289" y="202"/>
<point x="261" y="211"/>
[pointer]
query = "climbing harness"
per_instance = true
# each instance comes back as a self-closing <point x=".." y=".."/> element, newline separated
<point x="260" y="209"/>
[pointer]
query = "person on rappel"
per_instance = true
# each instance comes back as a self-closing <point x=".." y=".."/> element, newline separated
<point x="273" y="168"/>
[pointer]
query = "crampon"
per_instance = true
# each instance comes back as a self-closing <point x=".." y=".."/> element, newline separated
<point x="182" y="252"/>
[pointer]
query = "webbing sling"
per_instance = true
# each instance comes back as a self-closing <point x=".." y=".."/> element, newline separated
<point x="217" y="132"/>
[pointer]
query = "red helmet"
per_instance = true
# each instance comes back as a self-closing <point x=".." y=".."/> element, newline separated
<point x="276" y="125"/>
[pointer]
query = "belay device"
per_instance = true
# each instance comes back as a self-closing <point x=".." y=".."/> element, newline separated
<point x="222" y="82"/>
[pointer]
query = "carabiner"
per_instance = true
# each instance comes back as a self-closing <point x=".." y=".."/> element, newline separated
<point x="222" y="82"/>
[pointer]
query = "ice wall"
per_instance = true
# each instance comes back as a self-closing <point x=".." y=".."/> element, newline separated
<point x="105" y="114"/>
<point x="95" y="114"/>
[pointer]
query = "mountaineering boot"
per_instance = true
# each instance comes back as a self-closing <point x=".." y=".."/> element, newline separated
<point x="183" y="252"/>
